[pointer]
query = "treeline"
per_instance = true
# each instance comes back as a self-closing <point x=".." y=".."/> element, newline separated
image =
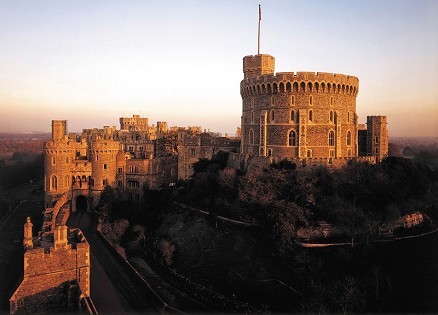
<point x="10" y="146"/>
<point x="20" y="172"/>
<point x="288" y="197"/>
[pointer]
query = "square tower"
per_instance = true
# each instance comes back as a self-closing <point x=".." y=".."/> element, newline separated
<point x="377" y="136"/>
<point x="254" y="66"/>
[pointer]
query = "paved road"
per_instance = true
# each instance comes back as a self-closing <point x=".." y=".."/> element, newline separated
<point x="11" y="238"/>
<point x="113" y="289"/>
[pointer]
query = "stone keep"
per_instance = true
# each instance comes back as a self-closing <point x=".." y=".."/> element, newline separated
<point x="297" y="114"/>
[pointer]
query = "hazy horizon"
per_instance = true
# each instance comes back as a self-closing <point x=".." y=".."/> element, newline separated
<point x="93" y="62"/>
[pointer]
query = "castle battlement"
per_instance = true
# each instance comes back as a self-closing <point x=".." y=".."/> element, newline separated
<point x="301" y="82"/>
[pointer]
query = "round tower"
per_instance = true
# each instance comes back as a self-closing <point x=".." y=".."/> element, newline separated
<point x="297" y="114"/>
<point x="59" y="154"/>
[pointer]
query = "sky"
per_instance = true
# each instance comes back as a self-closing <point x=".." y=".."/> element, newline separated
<point x="91" y="62"/>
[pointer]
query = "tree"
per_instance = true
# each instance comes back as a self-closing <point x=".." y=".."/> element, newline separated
<point x="166" y="249"/>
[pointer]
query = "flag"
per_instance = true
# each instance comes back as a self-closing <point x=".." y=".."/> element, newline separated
<point x="260" y="13"/>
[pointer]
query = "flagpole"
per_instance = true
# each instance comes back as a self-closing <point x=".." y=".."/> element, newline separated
<point x="258" y="42"/>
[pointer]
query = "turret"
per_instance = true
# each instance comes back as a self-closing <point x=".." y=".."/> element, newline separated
<point x="254" y="66"/>
<point x="28" y="237"/>
<point x="59" y="129"/>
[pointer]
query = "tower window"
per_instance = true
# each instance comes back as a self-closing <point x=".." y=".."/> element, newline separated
<point x="309" y="153"/>
<point x="310" y="115"/>
<point x="331" y="116"/>
<point x="331" y="138"/>
<point x="292" y="138"/>
<point x="269" y="152"/>
<point x="292" y="116"/>
<point x="251" y="136"/>
<point x="310" y="100"/>
<point x="376" y="139"/>
<point x="105" y="167"/>
<point x="272" y="116"/>
<point x="252" y="116"/>
<point x="348" y="137"/>
<point x="54" y="183"/>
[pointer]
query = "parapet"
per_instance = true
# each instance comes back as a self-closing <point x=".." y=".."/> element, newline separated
<point x="297" y="82"/>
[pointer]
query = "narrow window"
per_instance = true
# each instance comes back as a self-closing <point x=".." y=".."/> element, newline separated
<point x="292" y="138"/>
<point x="53" y="161"/>
<point x="348" y="137"/>
<point x="348" y="116"/>
<point x="376" y="140"/>
<point x="331" y="138"/>
<point x="54" y="182"/>
<point x="309" y="153"/>
<point x="331" y="116"/>
<point x="269" y="152"/>
<point x="310" y="100"/>
<point x="252" y="116"/>
<point x="377" y="150"/>
<point x="97" y="157"/>
<point x="105" y="166"/>
<point x="251" y="136"/>
<point x="310" y="115"/>
<point x="292" y="116"/>
<point x="66" y="160"/>
<point x="272" y="115"/>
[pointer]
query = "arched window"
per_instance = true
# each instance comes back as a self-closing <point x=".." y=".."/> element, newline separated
<point x="269" y="152"/>
<point x="302" y="87"/>
<point x="310" y="115"/>
<point x="331" y="138"/>
<point x="309" y="153"/>
<point x="292" y="138"/>
<point x="331" y="116"/>
<point x="288" y="87"/>
<point x="281" y="87"/>
<point x="97" y="157"/>
<point x="310" y="100"/>
<point x="105" y="167"/>
<point x="84" y="178"/>
<point x="251" y="136"/>
<point x="54" y="183"/>
<point x="295" y="86"/>
<point x="272" y="116"/>
<point x="348" y="137"/>
<point x="292" y="116"/>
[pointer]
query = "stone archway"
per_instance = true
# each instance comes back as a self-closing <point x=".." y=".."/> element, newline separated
<point x="81" y="203"/>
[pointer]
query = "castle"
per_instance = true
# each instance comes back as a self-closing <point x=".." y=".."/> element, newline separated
<point x="78" y="167"/>
<point x="304" y="115"/>
<point x="309" y="118"/>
